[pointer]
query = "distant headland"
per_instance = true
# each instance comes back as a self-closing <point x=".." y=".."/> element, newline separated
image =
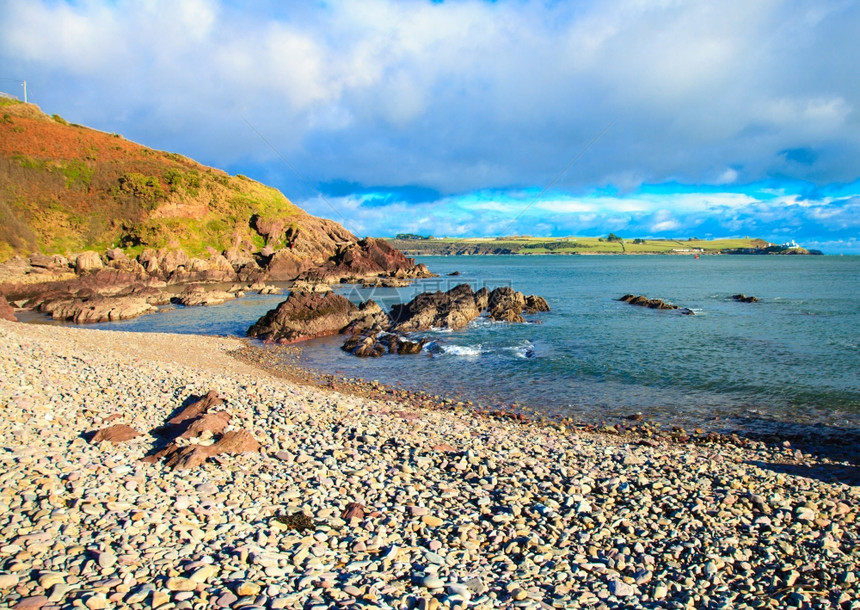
<point x="417" y="245"/>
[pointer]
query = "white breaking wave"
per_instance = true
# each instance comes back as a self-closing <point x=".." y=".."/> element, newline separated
<point x="466" y="351"/>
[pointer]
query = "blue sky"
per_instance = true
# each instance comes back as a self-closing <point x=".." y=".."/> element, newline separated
<point x="469" y="118"/>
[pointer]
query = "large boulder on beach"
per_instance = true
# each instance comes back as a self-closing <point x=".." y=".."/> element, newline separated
<point x="304" y="315"/>
<point x="41" y="263"/>
<point x="6" y="311"/>
<point x="193" y="456"/>
<point x="197" y="408"/>
<point x="118" y="433"/>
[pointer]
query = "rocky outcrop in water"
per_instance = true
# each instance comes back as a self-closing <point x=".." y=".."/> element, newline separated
<point x="373" y="332"/>
<point x="195" y="296"/>
<point x="378" y="344"/>
<point x="744" y="298"/>
<point x="460" y="305"/>
<point x="97" y="308"/>
<point x="642" y="301"/>
<point x="365" y="259"/>
<point x="304" y="315"/>
<point x="453" y="309"/>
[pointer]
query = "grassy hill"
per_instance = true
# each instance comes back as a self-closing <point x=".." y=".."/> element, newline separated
<point x="569" y="245"/>
<point x="67" y="188"/>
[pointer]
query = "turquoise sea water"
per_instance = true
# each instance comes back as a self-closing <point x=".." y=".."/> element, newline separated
<point x="792" y="357"/>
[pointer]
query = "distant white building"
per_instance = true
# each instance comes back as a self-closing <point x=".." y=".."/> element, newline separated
<point x="790" y="244"/>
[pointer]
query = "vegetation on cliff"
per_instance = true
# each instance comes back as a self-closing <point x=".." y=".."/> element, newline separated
<point x="67" y="188"/>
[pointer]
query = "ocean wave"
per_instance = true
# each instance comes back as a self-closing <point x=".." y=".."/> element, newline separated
<point x="465" y="351"/>
<point x="524" y="350"/>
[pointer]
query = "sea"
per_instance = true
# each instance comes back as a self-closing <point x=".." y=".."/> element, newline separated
<point x="790" y="359"/>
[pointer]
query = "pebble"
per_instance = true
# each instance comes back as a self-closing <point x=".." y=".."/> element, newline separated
<point x="508" y="515"/>
<point x="7" y="581"/>
<point x="431" y="581"/>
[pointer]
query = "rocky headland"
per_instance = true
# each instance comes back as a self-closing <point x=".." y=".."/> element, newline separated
<point x="380" y="502"/>
<point x="95" y="228"/>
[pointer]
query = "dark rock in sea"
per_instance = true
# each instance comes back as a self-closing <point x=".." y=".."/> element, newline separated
<point x="536" y="304"/>
<point x="744" y="298"/>
<point x="6" y="310"/>
<point x="364" y="346"/>
<point x="305" y="315"/>
<point x="369" y="319"/>
<point x="453" y="309"/>
<point x="642" y="301"/>
<point x="376" y="344"/>
<point x="454" y="274"/>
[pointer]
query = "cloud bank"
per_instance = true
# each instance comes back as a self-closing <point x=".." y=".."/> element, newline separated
<point x="415" y="111"/>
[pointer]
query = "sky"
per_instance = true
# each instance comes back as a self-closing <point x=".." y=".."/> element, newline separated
<point x="645" y="118"/>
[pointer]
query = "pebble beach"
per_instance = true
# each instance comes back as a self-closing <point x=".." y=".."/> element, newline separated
<point x="368" y="503"/>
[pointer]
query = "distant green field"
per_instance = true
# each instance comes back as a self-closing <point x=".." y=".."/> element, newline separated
<point x="569" y="245"/>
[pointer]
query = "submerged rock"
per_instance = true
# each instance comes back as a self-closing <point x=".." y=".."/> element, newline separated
<point x="744" y="298"/>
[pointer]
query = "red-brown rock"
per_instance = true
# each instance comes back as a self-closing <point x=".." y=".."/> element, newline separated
<point x="235" y="442"/>
<point x="366" y="258"/>
<point x="212" y="422"/>
<point x="353" y="510"/>
<point x="118" y="433"/>
<point x="6" y="311"/>
<point x="192" y="456"/>
<point x="196" y="409"/>
<point x="304" y="315"/>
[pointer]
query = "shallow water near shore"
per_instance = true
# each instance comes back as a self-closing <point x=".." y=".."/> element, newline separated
<point x="793" y="357"/>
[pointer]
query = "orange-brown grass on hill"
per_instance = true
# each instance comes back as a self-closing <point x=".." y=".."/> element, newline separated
<point x="66" y="188"/>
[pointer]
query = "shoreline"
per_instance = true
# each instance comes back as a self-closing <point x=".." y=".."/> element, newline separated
<point x="839" y="444"/>
<point x="458" y="508"/>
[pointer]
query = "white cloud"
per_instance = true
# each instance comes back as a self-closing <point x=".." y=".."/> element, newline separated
<point x="469" y="96"/>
